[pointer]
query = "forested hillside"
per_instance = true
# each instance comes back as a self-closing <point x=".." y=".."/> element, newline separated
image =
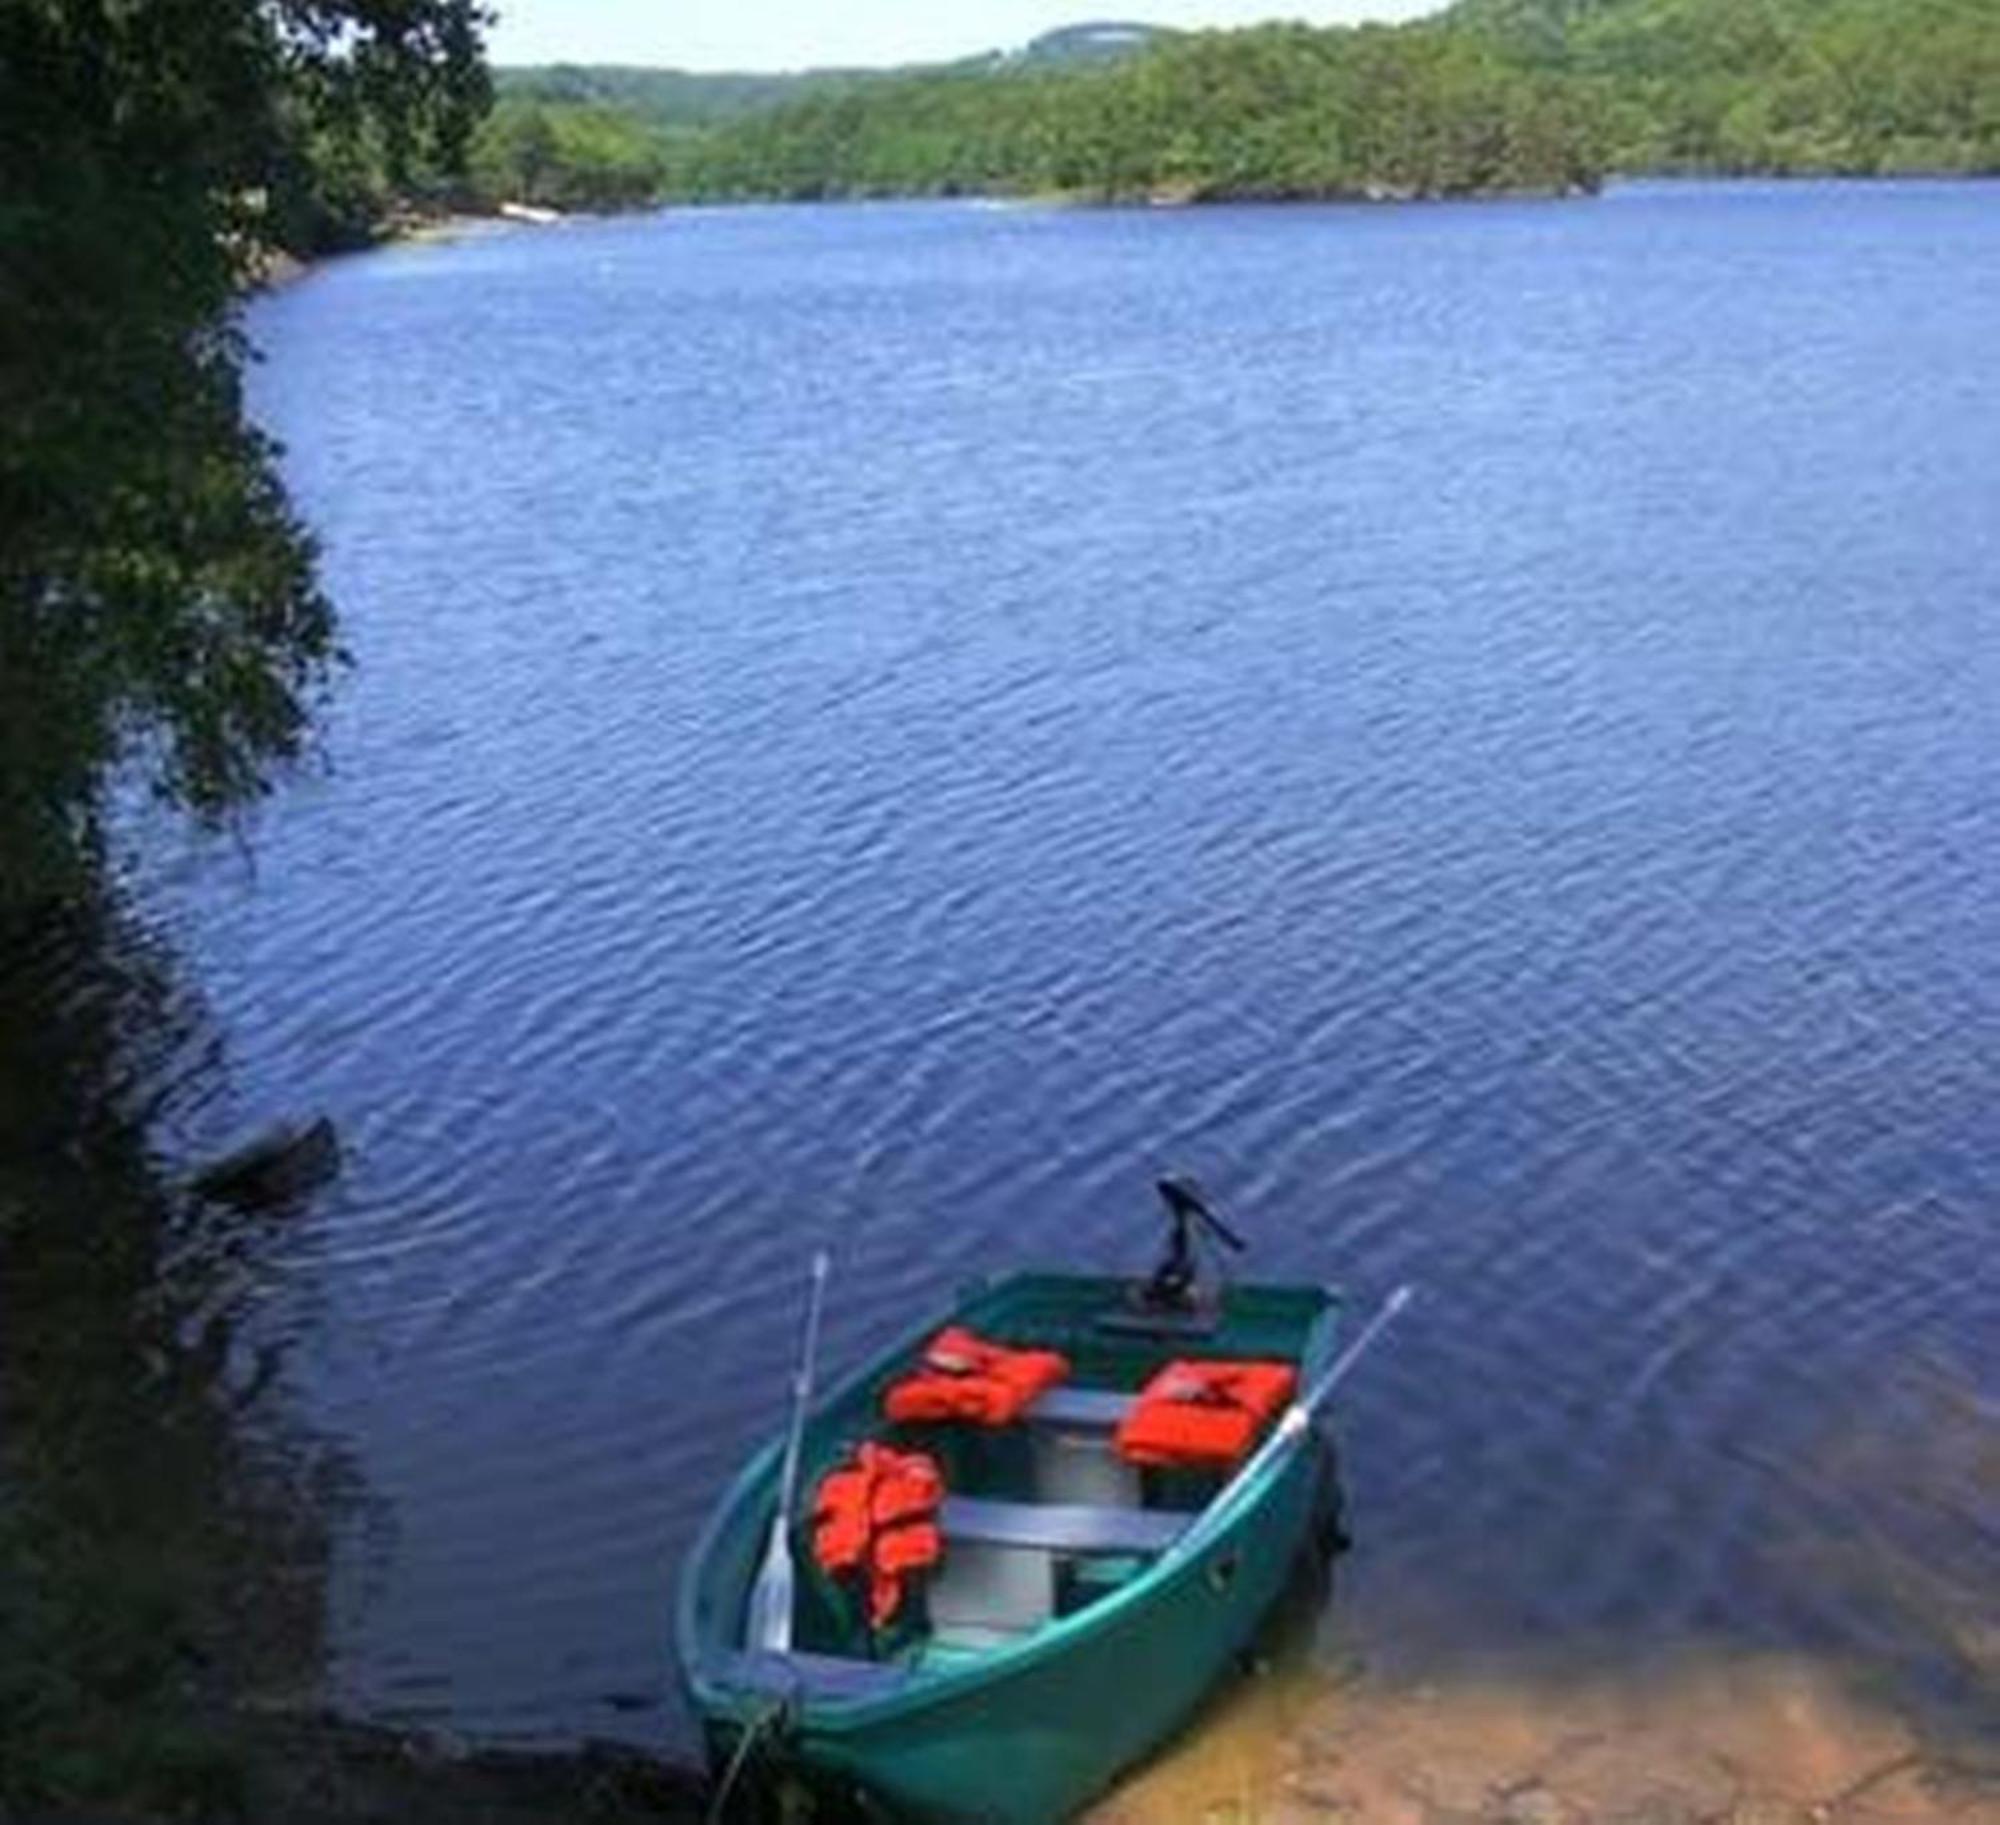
<point x="1277" y="111"/>
<point x="592" y="136"/>
<point x="606" y="136"/>
<point x="1865" y="87"/>
<point x="1490" y="95"/>
<point x="667" y="99"/>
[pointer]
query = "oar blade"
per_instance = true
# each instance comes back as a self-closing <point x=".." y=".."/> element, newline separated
<point x="771" y="1597"/>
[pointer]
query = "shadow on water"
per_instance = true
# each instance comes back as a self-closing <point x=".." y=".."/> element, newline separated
<point x="163" y="1521"/>
<point x="165" y="1514"/>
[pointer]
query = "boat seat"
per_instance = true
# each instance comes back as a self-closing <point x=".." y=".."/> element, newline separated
<point x="811" y="1675"/>
<point x="999" y="1578"/>
<point x="1062" y="1527"/>
<point x="1122" y="1321"/>
<point x="1079" y="1466"/>
<point x="984" y="1596"/>
<point x="1092" y="1409"/>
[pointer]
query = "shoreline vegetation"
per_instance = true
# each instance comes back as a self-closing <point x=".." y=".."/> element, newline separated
<point x="164" y="1516"/>
<point x="1488" y="98"/>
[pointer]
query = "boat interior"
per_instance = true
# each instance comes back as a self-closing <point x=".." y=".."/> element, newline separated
<point x="1042" y="1516"/>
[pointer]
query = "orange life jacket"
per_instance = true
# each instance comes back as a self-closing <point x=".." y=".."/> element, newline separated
<point x="875" y="1524"/>
<point x="962" y="1376"/>
<point x="1203" y="1415"/>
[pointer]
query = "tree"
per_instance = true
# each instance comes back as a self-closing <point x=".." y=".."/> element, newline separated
<point x="159" y="617"/>
<point x="525" y="152"/>
<point x="1273" y="111"/>
<point x="574" y="155"/>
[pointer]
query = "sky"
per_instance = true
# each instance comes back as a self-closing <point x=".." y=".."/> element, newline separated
<point x="799" y="34"/>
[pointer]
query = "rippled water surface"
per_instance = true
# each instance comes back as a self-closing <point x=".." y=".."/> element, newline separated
<point x="1476" y="729"/>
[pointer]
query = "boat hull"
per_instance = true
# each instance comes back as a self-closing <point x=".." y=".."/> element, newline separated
<point x="1029" y="1734"/>
<point x="1031" y="1742"/>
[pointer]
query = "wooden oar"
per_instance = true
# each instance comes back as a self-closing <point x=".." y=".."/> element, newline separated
<point x="771" y="1596"/>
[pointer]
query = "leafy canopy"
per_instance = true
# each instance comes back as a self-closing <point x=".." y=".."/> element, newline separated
<point x="1488" y="95"/>
<point x="1862" y="87"/>
<point x="1274" y="111"/>
<point x="158" y="610"/>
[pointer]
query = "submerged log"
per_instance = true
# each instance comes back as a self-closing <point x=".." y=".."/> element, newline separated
<point x="277" y="1168"/>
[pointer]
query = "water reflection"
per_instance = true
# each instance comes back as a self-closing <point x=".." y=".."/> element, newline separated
<point x="162" y="1531"/>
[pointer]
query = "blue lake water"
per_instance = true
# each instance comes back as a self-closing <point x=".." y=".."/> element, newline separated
<point x="1476" y="729"/>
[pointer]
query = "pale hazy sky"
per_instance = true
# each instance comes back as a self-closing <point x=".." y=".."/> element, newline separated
<point x="795" y="34"/>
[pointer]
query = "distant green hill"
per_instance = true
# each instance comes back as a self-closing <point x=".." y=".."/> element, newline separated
<point x="1792" y="86"/>
<point x="674" y="100"/>
<point x="593" y="136"/>
<point x="1487" y="95"/>
<point x="1279" y="111"/>
<point x="608" y="136"/>
<point x="667" y="99"/>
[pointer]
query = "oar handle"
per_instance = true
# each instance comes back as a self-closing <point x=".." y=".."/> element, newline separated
<point x="802" y="1388"/>
<point x="1315" y="1397"/>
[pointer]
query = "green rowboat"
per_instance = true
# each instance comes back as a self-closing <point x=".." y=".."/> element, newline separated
<point x="1083" y="1607"/>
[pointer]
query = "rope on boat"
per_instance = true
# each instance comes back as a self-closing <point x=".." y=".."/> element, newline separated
<point x="739" y="1760"/>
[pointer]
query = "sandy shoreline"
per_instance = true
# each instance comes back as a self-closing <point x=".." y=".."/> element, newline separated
<point x="1707" y="1740"/>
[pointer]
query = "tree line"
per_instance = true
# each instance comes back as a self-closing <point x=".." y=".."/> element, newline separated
<point x="1769" y="87"/>
<point x="1491" y="95"/>
<point x="1275" y="111"/>
<point x="160" y="622"/>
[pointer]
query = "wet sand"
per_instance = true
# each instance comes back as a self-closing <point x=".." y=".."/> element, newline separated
<point x="1704" y="1741"/>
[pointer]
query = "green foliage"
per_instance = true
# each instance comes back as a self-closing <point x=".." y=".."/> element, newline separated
<point x="1786" y="86"/>
<point x="684" y="101"/>
<point x="157" y="607"/>
<point x="666" y="100"/>
<point x="1493" y="95"/>
<point x="1279" y="111"/>
<point x="566" y="156"/>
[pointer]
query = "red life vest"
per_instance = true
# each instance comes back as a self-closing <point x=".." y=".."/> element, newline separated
<point x="875" y="1524"/>
<point x="1203" y="1415"/>
<point x="962" y="1376"/>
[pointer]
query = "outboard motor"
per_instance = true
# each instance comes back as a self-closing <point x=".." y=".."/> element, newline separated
<point x="1175" y="1285"/>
